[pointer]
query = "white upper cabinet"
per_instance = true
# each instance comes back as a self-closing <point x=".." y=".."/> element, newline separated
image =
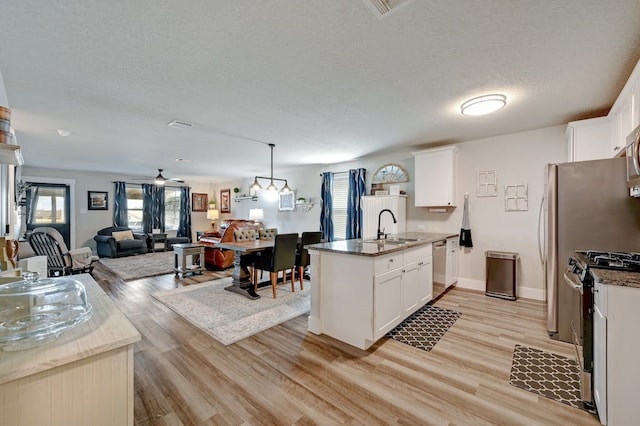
<point x="435" y="177"/>
<point x="589" y="139"/>
<point x="625" y="112"/>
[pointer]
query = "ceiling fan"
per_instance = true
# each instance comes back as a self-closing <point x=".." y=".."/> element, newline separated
<point x="161" y="180"/>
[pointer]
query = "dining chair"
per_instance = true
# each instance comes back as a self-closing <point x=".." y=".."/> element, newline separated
<point x="283" y="257"/>
<point x="265" y="234"/>
<point x="268" y="233"/>
<point x="246" y="234"/>
<point x="47" y="241"/>
<point x="302" y="254"/>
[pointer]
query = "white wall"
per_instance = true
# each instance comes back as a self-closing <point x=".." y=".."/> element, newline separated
<point x="3" y="93"/>
<point x="518" y="158"/>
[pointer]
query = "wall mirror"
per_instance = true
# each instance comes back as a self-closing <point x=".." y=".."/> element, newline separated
<point x="390" y="173"/>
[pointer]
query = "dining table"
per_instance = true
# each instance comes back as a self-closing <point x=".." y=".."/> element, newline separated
<point x="241" y="277"/>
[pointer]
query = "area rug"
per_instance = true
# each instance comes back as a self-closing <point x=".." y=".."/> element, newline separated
<point x="425" y="327"/>
<point x="229" y="317"/>
<point x="546" y="374"/>
<point x="143" y="265"/>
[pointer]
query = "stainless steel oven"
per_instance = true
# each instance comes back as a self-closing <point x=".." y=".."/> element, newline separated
<point x="579" y="277"/>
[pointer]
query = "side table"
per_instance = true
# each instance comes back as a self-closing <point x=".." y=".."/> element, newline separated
<point x="156" y="242"/>
<point x="181" y="253"/>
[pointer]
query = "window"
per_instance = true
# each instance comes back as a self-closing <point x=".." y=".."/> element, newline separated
<point x="134" y="207"/>
<point x="340" y="193"/>
<point x="50" y="205"/>
<point x="171" y="208"/>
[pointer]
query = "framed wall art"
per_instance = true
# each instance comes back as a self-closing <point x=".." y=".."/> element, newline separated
<point x="286" y="201"/>
<point x="199" y="202"/>
<point x="97" y="200"/>
<point x="225" y="201"/>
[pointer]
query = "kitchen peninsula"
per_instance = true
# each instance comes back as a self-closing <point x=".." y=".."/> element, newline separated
<point x="362" y="289"/>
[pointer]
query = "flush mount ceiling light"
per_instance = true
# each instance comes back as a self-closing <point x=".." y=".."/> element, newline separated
<point x="272" y="187"/>
<point x="483" y="105"/>
<point x="179" y="124"/>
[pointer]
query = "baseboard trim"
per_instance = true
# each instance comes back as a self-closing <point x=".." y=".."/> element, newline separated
<point x="524" y="292"/>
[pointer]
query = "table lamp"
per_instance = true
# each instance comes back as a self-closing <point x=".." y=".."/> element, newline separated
<point x="256" y="214"/>
<point x="213" y="214"/>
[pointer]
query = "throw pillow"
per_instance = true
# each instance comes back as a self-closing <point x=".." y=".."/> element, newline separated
<point x="122" y="235"/>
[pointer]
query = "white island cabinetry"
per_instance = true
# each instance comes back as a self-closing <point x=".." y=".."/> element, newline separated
<point x="359" y="294"/>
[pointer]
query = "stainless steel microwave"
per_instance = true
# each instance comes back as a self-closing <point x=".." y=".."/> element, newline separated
<point x="633" y="161"/>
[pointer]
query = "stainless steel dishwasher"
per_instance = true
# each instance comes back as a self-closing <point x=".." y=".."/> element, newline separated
<point x="439" y="267"/>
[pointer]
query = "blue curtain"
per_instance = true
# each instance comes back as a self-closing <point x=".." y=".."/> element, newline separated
<point x="120" y="205"/>
<point x="326" y="223"/>
<point x="184" y="229"/>
<point x="354" y="203"/>
<point x="152" y="207"/>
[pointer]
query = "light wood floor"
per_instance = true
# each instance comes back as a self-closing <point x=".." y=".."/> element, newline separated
<point x="286" y="375"/>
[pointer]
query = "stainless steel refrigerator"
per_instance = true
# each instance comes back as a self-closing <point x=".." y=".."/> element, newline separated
<point x="586" y="207"/>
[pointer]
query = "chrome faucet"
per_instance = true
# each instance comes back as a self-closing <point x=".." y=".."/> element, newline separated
<point x="381" y="233"/>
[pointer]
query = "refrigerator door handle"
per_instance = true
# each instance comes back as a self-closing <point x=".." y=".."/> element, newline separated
<point x="540" y="220"/>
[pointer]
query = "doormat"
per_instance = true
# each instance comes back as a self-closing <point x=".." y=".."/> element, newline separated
<point x="546" y="374"/>
<point x="425" y="327"/>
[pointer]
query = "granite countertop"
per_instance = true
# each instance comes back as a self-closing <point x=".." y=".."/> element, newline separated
<point x="610" y="276"/>
<point x="619" y="278"/>
<point x="372" y="248"/>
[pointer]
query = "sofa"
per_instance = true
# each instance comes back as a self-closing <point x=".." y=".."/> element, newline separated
<point x="217" y="258"/>
<point x="116" y="241"/>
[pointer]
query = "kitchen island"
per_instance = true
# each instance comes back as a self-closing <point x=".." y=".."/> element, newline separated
<point x="362" y="289"/>
<point x="84" y="377"/>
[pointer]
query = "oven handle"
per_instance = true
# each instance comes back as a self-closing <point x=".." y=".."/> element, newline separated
<point x="570" y="278"/>
<point x="635" y="152"/>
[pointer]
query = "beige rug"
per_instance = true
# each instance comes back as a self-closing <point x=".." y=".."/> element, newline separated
<point x="142" y="265"/>
<point x="229" y="317"/>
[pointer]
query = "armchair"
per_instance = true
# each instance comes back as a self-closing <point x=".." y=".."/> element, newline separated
<point x="117" y="241"/>
<point x="217" y="258"/>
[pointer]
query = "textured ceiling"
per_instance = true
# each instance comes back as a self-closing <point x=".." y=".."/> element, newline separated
<point x="326" y="81"/>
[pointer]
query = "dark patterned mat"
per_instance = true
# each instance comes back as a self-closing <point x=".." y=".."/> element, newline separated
<point x="546" y="374"/>
<point x="425" y="327"/>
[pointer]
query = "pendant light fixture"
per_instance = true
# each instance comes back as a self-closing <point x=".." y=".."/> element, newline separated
<point x="272" y="187"/>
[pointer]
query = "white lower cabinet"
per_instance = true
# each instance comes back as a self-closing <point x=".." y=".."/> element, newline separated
<point x="363" y="298"/>
<point x="451" y="268"/>
<point x="616" y="348"/>
<point x="387" y="302"/>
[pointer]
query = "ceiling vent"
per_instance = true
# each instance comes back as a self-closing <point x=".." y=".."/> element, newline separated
<point x="383" y="8"/>
<point x="179" y="124"/>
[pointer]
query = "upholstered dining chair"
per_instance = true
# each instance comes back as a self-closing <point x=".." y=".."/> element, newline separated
<point x="283" y="257"/>
<point x="302" y="254"/>
<point x="268" y="233"/>
<point x="47" y="241"/>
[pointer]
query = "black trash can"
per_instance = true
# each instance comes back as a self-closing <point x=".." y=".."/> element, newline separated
<point x="501" y="274"/>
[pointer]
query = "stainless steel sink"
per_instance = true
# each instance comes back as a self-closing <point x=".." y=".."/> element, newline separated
<point x="396" y="242"/>
<point x="402" y="239"/>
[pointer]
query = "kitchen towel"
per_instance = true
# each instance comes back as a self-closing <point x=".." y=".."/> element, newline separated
<point x="465" y="232"/>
